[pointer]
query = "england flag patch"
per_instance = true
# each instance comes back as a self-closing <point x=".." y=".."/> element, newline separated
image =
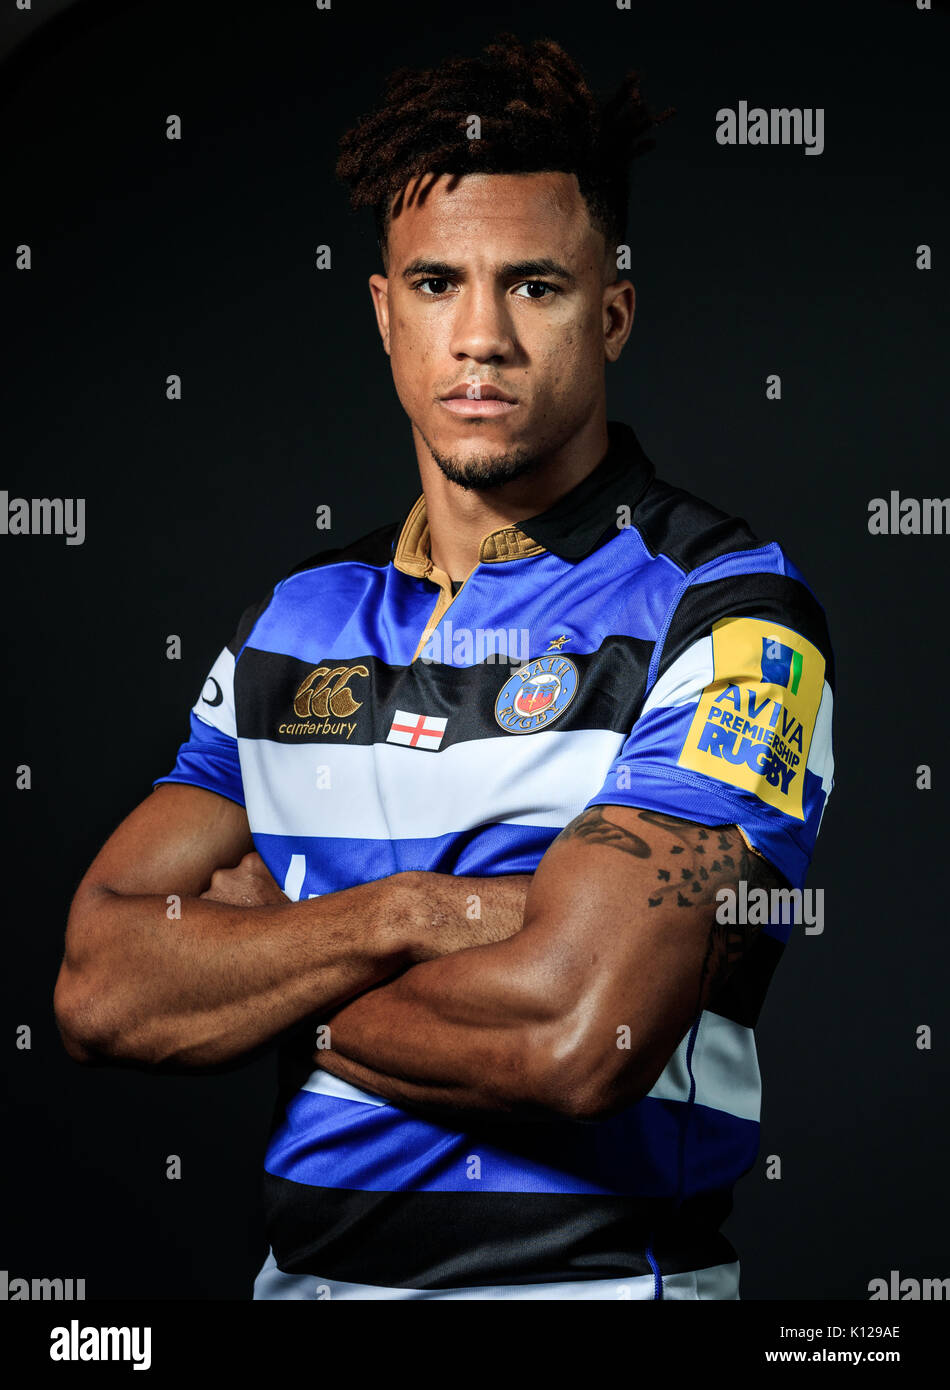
<point x="416" y="730"/>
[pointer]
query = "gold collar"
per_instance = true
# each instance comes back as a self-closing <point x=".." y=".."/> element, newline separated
<point x="412" y="549"/>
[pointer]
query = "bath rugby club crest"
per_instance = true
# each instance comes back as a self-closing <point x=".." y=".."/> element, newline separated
<point x="538" y="693"/>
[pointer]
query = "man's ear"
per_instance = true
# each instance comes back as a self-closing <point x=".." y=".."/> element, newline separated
<point x="620" y="302"/>
<point x="379" y="289"/>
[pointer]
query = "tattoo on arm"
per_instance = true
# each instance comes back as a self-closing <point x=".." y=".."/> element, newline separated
<point x="690" y="869"/>
<point x="594" y="827"/>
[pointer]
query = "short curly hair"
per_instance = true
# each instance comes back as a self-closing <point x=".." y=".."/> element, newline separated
<point x="537" y="114"/>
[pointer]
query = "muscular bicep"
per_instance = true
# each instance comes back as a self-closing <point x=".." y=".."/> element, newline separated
<point x="624" y="907"/>
<point x="171" y="843"/>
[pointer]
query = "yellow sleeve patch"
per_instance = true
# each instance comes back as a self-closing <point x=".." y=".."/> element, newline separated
<point x="753" y="725"/>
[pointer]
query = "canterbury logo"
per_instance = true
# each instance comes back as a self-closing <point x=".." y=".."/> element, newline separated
<point x="317" y="697"/>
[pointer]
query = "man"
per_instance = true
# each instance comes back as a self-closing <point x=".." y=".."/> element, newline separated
<point x="508" y="758"/>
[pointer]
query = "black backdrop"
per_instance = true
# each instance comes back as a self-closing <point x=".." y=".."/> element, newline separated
<point x="197" y="257"/>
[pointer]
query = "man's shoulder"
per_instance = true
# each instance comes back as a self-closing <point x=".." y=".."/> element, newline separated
<point x="690" y="532"/>
<point x="708" y="563"/>
<point x="374" y="549"/>
<point x="723" y="569"/>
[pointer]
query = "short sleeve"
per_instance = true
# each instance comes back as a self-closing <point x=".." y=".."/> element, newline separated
<point x="210" y="758"/>
<point x="736" y="726"/>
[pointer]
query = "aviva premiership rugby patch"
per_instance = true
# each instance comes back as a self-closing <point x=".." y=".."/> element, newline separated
<point x="753" y="725"/>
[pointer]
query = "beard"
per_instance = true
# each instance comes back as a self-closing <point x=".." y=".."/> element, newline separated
<point x="479" y="472"/>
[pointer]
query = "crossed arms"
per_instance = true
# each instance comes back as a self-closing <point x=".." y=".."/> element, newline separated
<point x="559" y="993"/>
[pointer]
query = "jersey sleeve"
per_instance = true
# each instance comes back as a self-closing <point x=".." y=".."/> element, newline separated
<point x="736" y="725"/>
<point x="209" y="757"/>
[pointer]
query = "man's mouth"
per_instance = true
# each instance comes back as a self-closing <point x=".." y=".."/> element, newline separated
<point x="478" y="398"/>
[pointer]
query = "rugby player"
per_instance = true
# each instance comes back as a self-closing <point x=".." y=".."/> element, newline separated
<point x="468" y="805"/>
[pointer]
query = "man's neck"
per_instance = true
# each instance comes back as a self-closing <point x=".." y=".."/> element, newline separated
<point x="459" y="518"/>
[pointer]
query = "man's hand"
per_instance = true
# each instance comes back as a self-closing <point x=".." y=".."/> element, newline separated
<point x="248" y="885"/>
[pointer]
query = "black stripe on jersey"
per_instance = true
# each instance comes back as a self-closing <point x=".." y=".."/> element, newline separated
<point x="688" y="530"/>
<point x="246" y="624"/>
<point x="741" y="998"/>
<point x="777" y="598"/>
<point x="452" y="1240"/>
<point x="375" y="548"/>
<point x="610" y="692"/>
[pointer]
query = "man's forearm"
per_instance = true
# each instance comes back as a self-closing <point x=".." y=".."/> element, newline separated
<point x="450" y="1035"/>
<point x="221" y="979"/>
<point x="535" y="1022"/>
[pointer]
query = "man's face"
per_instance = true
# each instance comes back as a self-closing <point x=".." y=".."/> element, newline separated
<point x="498" y="283"/>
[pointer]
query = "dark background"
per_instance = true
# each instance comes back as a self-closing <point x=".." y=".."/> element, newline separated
<point x="197" y="257"/>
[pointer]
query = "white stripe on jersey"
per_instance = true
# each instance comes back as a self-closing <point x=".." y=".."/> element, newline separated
<point x="717" y="1282"/>
<point x="216" y="707"/>
<point x="544" y="780"/>
<point x="323" y="1083"/>
<point x="725" y="1065"/>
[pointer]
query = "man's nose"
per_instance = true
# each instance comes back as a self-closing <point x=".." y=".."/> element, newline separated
<point x="482" y="326"/>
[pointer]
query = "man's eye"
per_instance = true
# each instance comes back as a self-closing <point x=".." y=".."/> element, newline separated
<point x="538" y="285"/>
<point x="441" y="283"/>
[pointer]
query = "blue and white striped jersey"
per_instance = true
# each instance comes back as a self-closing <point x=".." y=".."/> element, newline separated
<point x="631" y="645"/>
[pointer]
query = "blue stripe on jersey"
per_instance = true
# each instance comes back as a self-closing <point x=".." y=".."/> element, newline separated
<point x="385" y="611"/>
<point x="208" y="760"/>
<point x="327" y="1141"/>
<point x="320" y="864"/>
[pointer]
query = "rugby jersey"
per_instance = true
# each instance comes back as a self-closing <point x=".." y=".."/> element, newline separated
<point x="633" y="645"/>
